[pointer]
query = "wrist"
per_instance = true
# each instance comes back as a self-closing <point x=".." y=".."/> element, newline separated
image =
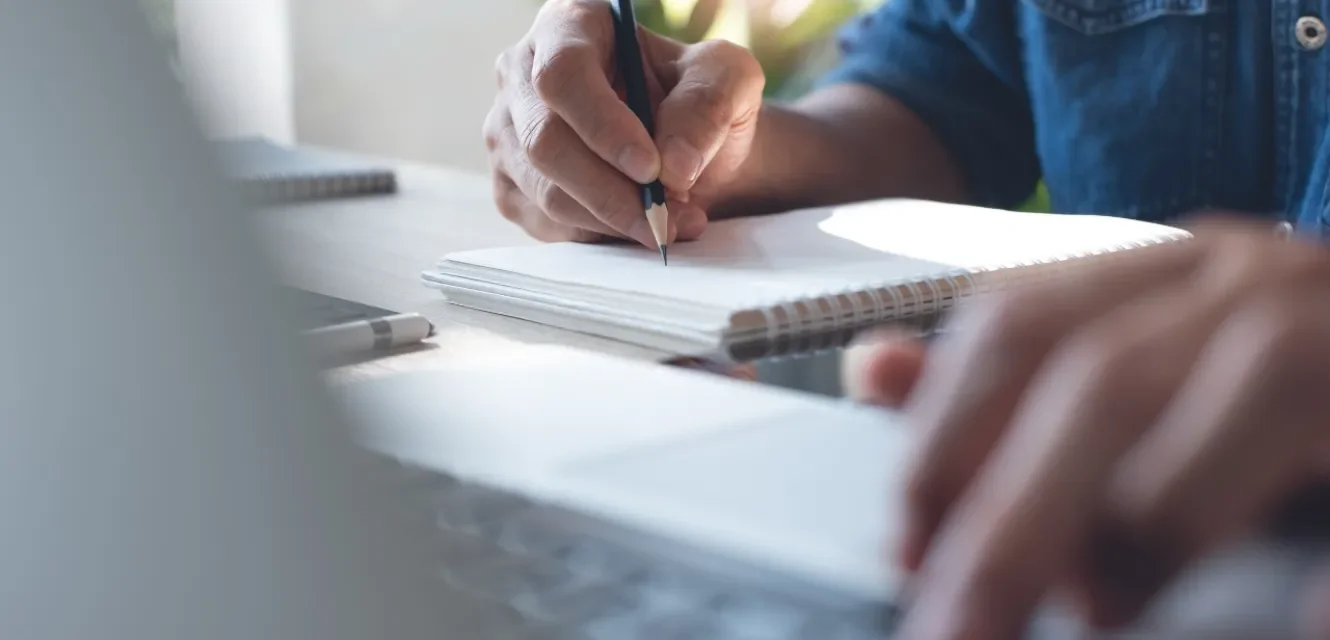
<point x="771" y="178"/>
<point x="841" y="144"/>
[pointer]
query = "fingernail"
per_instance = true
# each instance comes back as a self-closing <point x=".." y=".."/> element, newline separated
<point x="682" y="159"/>
<point x="638" y="163"/>
<point x="692" y="224"/>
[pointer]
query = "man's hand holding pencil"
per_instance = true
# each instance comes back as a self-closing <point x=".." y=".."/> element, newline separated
<point x="569" y="156"/>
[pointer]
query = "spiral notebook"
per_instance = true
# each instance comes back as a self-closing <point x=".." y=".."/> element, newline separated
<point x="272" y="173"/>
<point x="787" y="283"/>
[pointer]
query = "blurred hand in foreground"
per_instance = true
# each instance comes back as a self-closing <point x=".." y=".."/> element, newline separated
<point x="1098" y="433"/>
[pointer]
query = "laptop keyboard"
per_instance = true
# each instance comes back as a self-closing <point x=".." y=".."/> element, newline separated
<point x="562" y="583"/>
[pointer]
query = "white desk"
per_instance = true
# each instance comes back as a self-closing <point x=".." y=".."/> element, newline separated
<point x="372" y="250"/>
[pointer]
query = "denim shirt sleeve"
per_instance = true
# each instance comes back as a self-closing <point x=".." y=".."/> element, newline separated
<point x="959" y="70"/>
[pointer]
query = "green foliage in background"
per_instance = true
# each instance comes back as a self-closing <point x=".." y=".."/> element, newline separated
<point x="1039" y="202"/>
<point x="791" y="39"/>
<point x="784" y="35"/>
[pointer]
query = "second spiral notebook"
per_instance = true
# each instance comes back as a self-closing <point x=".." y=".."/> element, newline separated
<point x="786" y="283"/>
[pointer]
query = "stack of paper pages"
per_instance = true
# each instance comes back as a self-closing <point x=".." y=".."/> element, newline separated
<point x="792" y="282"/>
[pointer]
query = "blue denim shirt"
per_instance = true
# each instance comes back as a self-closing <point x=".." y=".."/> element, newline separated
<point x="1141" y="108"/>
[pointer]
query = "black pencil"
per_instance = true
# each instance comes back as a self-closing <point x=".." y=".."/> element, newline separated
<point x="628" y="53"/>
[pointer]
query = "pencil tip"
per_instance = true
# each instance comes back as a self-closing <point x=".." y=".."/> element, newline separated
<point x="664" y="255"/>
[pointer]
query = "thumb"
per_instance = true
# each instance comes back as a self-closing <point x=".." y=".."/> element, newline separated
<point x="713" y="98"/>
<point x="883" y="368"/>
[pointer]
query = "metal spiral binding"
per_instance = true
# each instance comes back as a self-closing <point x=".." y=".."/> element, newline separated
<point x="294" y="188"/>
<point x="803" y="330"/>
<point x="806" y="326"/>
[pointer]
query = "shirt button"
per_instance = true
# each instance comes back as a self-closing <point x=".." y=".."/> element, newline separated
<point x="1311" y="33"/>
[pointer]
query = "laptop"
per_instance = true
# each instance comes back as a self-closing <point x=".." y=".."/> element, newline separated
<point x="174" y="468"/>
<point x="600" y="498"/>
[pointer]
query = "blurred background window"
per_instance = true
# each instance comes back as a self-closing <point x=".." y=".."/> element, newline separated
<point x="235" y="59"/>
<point x="414" y="79"/>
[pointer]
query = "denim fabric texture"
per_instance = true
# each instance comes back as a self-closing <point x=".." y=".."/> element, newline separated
<point x="1148" y="109"/>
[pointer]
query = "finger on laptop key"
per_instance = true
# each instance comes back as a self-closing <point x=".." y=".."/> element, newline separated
<point x="1020" y="526"/>
<point x="881" y="368"/>
<point x="975" y="378"/>
<point x="1246" y="429"/>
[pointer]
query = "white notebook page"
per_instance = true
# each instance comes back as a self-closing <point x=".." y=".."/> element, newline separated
<point x="744" y="263"/>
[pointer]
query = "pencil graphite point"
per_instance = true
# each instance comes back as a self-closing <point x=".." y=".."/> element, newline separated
<point x="664" y="255"/>
<point x="659" y="219"/>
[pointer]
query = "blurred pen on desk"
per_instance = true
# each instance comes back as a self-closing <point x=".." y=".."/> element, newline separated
<point x="364" y="338"/>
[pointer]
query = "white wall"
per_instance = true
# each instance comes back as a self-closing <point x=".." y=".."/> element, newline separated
<point x="236" y="59"/>
<point x="404" y="78"/>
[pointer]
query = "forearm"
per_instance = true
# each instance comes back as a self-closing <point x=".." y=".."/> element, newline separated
<point x="840" y="144"/>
